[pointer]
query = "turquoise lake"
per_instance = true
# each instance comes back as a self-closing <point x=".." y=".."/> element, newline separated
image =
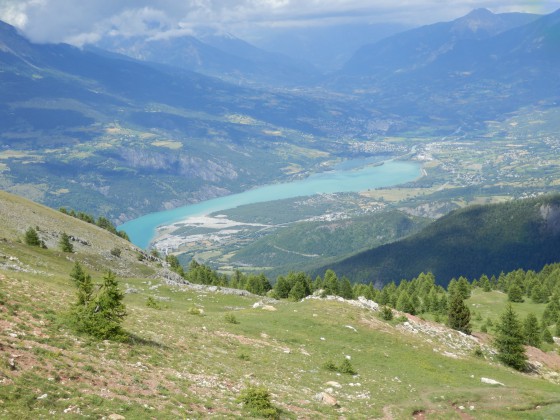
<point x="351" y="176"/>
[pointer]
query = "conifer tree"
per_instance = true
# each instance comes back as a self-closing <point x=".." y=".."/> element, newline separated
<point x="330" y="283"/>
<point x="458" y="314"/>
<point x="282" y="287"/>
<point x="32" y="237"/>
<point x="65" y="244"/>
<point x="532" y="330"/>
<point x="547" y="336"/>
<point x="539" y="294"/>
<point x="346" y="289"/>
<point x="509" y="340"/>
<point x="99" y="315"/>
<point x="297" y="292"/>
<point x="464" y="288"/>
<point x="404" y="303"/>
<point x="83" y="283"/>
<point x="515" y="294"/>
<point x="485" y="283"/>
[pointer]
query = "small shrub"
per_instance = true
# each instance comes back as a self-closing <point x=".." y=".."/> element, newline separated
<point x="32" y="237"/>
<point x="484" y="328"/>
<point x="152" y="303"/>
<point x="195" y="311"/>
<point x="243" y="356"/>
<point x="347" y="368"/>
<point x="329" y="365"/>
<point x="401" y="318"/>
<point x="116" y="252"/>
<point x="65" y="244"/>
<point x="231" y="319"/>
<point x="478" y="352"/>
<point x="386" y="313"/>
<point x="257" y="401"/>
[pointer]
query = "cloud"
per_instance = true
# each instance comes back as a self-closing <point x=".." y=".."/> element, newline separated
<point x="79" y="22"/>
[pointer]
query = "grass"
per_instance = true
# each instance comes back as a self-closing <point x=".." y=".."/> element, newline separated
<point x="182" y="365"/>
<point x="177" y="365"/>
<point x="493" y="304"/>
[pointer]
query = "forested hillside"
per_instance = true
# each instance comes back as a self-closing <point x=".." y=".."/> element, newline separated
<point x="467" y="242"/>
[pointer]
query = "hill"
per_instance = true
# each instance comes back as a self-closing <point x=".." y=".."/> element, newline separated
<point x="468" y="242"/>
<point x="92" y="245"/>
<point x="196" y="352"/>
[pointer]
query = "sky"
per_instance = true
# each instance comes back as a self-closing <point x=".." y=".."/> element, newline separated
<point x="86" y="21"/>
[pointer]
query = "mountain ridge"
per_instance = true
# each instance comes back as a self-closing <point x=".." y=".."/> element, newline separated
<point x="468" y="242"/>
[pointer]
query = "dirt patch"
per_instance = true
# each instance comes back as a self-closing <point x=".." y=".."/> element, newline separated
<point x="550" y="360"/>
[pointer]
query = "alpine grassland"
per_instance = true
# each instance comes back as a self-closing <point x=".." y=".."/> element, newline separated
<point x="181" y="358"/>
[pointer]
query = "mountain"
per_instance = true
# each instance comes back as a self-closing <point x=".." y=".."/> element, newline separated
<point x="196" y="351"/>
<point x="467" y="242"/>
<point x="417" y="48"/>
<point x="476" y="68"/>
<point x="108" y="134"/>
<point x="326" y="47"/>
<point x="223" y="56"/>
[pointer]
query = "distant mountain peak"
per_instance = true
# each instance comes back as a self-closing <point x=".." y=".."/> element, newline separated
<point x="480" y="12"/>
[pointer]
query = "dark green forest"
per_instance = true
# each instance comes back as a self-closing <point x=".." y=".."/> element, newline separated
<point x="467" y="242"/>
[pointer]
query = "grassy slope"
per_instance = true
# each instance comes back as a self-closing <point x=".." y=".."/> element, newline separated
<point x="184" y="365"/>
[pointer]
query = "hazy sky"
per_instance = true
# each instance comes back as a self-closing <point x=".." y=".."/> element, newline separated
<point x="80" y="21"/>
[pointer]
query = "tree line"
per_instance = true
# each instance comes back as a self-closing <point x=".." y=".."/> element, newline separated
<point x="101" y="222"/>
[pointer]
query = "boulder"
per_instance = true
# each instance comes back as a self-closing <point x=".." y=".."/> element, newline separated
<point x="326" y="399"/>
<point x="490" y="381"/>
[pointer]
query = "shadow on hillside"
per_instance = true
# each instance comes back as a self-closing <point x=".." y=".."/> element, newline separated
<point x="134" y="339"/>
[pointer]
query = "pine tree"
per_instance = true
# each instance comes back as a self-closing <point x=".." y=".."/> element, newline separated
<point x="331" y="283"/>
<point x="509" y="340"/>
<point x="404" y="303"/>
<point x="346" y="289"/>
<point x="109" y="309"/>
<point x="515" y="294"/>
<point x="83" y="283"/>
<point x="282" y="287"/>
<point x="458" y="314"/>
<point x="551" y="311"/>
<point x="547" y="336"/>
<point x="464" y="288"/>
<point x="297" y="292"/>
<point x="532" y="330"/>
<point x="32" y="237"/>
<point x="99" y="315"/>
<point x="65" y="244"/>
<point x="539" y="294"/>
<point x="485" y="283"/>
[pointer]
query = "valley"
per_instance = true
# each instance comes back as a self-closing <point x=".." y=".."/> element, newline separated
<point x="361" y="222"/>
<point x="512" y="159"/>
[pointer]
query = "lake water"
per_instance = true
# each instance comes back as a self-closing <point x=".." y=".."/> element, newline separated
<point x="350" y="177"/>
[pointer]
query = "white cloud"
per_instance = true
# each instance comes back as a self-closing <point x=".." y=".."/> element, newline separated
<point x="80" y="21"/>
